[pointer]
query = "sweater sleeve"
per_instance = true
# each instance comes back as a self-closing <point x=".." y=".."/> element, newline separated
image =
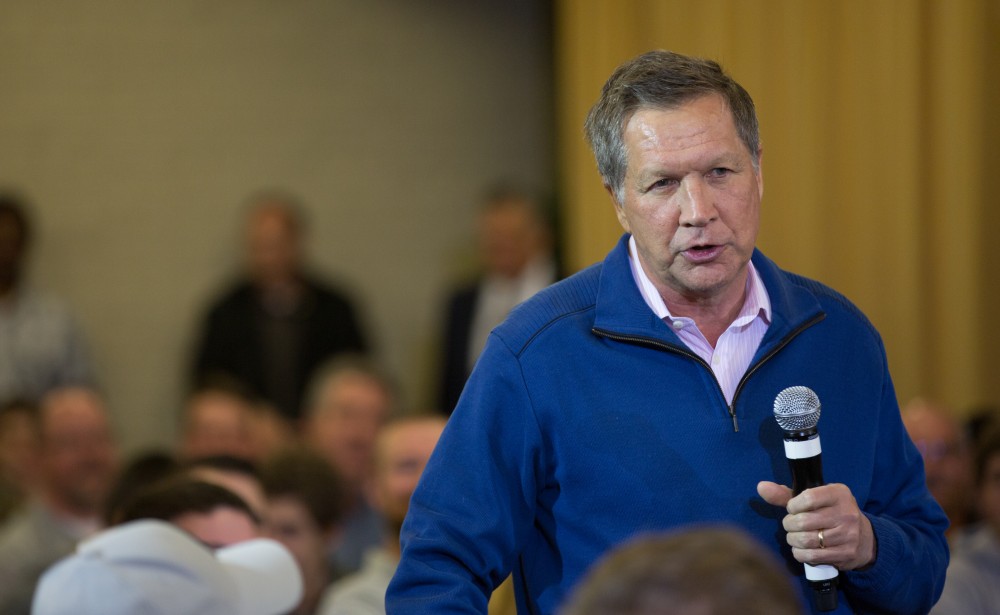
<point x="912" y="553"/>
<point x="476" y="499"/>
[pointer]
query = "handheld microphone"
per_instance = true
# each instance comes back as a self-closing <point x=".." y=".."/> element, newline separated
<point x="797" y="411"/>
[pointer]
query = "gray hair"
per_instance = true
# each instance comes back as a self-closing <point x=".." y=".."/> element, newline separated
<point x="660" y="80"/>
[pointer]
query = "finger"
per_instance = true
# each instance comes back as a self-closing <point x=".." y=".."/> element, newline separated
<point x="810" y="539"/>
<point x="816" y="498"/>
<point x="773" y="493"/>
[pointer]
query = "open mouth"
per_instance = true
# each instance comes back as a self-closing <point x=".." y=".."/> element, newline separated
<point x="700" y="254"/>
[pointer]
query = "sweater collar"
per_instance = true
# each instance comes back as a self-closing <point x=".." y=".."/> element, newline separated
<point x="620" y="308"/>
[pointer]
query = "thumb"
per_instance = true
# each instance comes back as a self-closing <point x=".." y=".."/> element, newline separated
<point x="773" y="493"/>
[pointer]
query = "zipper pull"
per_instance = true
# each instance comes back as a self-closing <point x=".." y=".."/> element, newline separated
<point x="736" y="424"/>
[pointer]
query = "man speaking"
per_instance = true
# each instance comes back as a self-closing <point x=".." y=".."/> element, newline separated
<point x="637" y="395"/>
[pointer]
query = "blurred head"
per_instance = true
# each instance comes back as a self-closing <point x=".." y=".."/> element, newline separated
<point x="18" y="444"/>
<point x="305" y="505"/>
<point x="152" y="567"/>
<point x="987" y="471"/>
<point x="945" y="450"/>
<point x="273" y="240"/>
<point x="348" y="402"/>
<point x="217" y="420"/>
<point x="233" y="473"/>
<point x="705" y="571"/>
<point x="214" y="515"/>
<point x="15" y="235"/>
<point x="404" y="447"/>
<point x="78" y="456"/>
<point x="139" y="473"/>
<point x="512" y="233"/>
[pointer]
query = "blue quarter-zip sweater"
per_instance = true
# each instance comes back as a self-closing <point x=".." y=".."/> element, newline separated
<point x="587" y="421"/>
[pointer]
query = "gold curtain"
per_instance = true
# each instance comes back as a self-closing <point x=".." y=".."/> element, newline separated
<point x="879" y="126"/>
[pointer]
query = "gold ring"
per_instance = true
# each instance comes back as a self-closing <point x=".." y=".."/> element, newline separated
<point x="822" y="543"/>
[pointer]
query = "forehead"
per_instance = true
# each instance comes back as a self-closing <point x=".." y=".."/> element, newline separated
<point x="702" y="125"/>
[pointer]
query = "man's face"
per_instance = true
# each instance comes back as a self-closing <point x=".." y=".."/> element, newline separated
<point x="220" y="527"/>
<point x="509" y="238"/>
<point x="217" y="424"/>
<point x="344" y="424"/>
<point x="691" y="199"/>
<point x="272" y="246"/>
<point x="288" y="521"/>
<point x="78" y="454"/>
<point x="403" y="452"/>
<point x="947" y="463"/>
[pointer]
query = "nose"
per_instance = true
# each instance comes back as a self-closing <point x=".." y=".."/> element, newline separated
<point x="696" y="203"/>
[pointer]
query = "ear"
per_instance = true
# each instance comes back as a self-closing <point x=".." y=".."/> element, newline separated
<point x="619" y="210"/>
<point x="760" y="173"/>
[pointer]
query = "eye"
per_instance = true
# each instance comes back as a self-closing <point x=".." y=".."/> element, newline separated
<point x="662" y="183"/>
<point x="719" y="172"/>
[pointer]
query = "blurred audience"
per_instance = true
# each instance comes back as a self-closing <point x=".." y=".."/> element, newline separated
<point x="516" y="249"/>
<point x="41" y="347"/>
<point x="305" y="506"/>
<point x="18" y="454"/>
<point x="945" y="448"/>
<point x="349" y="401"/>
<point x="402" y="451"/>
<point x="214" y="515"/>
<point x="699" y="571"/>
<point x="972" y="586"/>
<point x="278" y="322"/>
<point x="153" y="568"/>
<point x="77" y="462"/>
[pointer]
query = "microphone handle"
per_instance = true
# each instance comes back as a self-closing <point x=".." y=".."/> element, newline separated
<point x="806" y="473"/>
<point x="805" y="460"/>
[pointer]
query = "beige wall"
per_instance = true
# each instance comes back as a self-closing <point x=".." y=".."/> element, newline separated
<point x="138" y="127"/>
<point x="879" y="124"/>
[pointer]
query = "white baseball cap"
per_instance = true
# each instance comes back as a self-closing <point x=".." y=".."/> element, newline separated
<point x="154" y="568"/>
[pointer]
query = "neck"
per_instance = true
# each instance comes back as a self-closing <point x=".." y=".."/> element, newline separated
<point x="712" y="316"/>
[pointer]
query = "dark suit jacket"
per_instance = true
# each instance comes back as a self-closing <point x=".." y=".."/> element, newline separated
<point x="231" y="342"/>
<point x="454" y="371"/>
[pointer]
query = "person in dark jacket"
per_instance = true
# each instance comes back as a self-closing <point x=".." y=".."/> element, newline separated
<point x="278" y="322"/>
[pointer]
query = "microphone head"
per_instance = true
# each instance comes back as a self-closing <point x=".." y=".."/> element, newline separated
<point x="797" y="409"/>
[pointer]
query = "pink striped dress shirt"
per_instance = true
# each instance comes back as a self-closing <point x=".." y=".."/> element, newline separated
<point x="736" y="346"/>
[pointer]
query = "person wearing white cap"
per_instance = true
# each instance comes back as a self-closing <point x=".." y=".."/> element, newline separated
<point x="152" y="567"/>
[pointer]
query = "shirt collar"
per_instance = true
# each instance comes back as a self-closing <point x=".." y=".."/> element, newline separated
<point x="756" y="300"/>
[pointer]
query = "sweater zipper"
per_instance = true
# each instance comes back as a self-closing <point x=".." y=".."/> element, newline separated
<point x="739" y="387"/>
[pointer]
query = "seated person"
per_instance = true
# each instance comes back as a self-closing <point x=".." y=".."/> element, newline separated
<point x="77" y="464"/>
<point x="706" y="570"/>
<point x="214" y="515"/>
<point x="18" y="454"/>
<point x="154" y="568"/>
<point x="972" y="586"/>
<point x="305" y="508"/>
<point x="238" y="475"/>
<point x="401" y="452"/>
<point x="349" y="401"/>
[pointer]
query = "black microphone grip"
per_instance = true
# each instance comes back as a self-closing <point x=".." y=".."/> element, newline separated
<point x="806" y="463"/>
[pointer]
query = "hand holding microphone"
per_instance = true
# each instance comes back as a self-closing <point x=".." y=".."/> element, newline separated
<point x="826" y="529"/>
